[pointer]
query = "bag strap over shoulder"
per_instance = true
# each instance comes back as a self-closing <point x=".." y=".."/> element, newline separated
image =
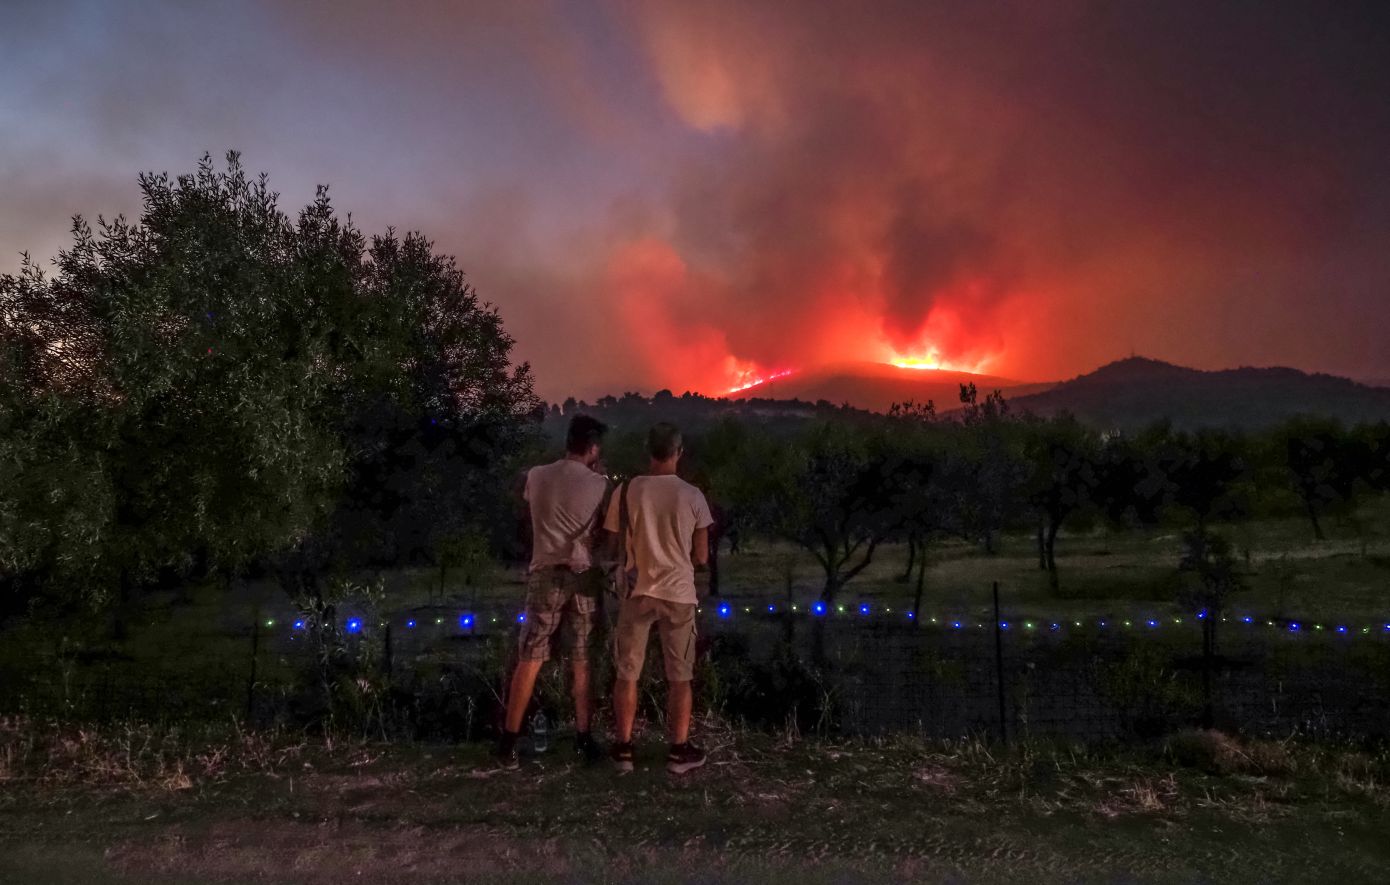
<point x="624" y="524"/>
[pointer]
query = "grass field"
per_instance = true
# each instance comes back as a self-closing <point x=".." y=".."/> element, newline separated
<point x="187" y="645"/>
<point x="1109" y="573"/>
<point x="136" y="805"/>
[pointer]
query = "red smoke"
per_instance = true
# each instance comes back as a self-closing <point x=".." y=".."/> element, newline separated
<point x="1028" y="189"/>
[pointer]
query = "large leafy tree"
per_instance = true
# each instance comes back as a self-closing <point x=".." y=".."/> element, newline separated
<point x="239" y="380"/>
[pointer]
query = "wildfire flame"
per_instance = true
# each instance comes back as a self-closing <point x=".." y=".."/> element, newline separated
<point x="752" y="379"/>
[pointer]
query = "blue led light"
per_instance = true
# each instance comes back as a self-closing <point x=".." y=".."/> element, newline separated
<point x="1247" y="619"/>
<point x="817" y="608"/>
<point x="955" y="625"/>
<point x="1055" y="627"/>
<point x="724" y="610"/>
<point x="1293" y="628"/>
<point x="299" y="625"/>
<point x="1102" y="623"/>
<point x="521" y="618"/>
<point x="466" y="620"/>
<point x="863" y="608"/>
<point x="1153" y="623"/>
<point x="1341" y="629"/>
<point x="911" y="616"/>
<point x="1003" y="625"/>
<point x="354" y="625"/>
<point x="771" y="608"/>
<point x="410" y="624"/>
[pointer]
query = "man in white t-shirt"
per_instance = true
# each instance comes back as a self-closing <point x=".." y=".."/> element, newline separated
<point x="666" y="522"/>
<point x="562" y="592"/>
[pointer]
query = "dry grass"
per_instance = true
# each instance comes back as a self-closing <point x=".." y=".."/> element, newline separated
<point x="230" y="805"/>
<point x="138" y="756"/>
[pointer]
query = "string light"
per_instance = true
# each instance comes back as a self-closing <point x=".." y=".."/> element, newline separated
<point x="819" y="608"/>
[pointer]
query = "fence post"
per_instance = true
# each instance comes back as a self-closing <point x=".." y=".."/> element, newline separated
<point x="255" y="655"/>
<point x="999" y="666"/>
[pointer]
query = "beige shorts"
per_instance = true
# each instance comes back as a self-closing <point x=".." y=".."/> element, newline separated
<point x="675" y="623"/>
<point x="559" y="605"/>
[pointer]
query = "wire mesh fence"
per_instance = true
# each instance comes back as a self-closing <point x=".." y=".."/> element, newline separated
<point x="439" y="672"/>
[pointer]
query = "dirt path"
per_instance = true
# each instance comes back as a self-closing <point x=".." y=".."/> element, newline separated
<point x="809" y="814"/>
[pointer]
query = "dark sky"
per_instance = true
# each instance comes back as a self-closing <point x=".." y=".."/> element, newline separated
<point x="689" y="194"/>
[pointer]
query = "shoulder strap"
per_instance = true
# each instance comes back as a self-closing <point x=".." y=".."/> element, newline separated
<point x="624" y="524"/>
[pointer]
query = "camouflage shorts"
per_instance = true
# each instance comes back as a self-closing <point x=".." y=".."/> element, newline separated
<point x="558" y="601"/>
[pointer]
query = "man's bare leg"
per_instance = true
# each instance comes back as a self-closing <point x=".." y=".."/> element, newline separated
<point x="624" y="708"/>
<point x="678" y="703"/>
<point x="519" y="695"/>
<point x="583" y="701"/>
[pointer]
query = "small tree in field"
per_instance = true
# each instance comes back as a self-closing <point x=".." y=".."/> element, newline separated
<point x="1323" y="464"/>
<point x="1065" y="476"/>
<point x="990" y="449"/>
<point x="1208" y="559"/>
<point x="830" y="492"/>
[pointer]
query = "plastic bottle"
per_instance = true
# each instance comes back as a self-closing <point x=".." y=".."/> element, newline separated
<point x="540" y="732"/>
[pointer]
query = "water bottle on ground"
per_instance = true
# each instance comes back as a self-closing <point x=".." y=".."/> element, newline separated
<point x="540" y="732"/>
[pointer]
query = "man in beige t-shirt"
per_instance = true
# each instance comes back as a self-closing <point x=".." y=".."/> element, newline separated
<point x="562" y="592"/>
<point x="667" y="529"/>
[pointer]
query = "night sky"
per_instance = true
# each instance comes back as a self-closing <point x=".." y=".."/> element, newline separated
<point x="689" y="194"/>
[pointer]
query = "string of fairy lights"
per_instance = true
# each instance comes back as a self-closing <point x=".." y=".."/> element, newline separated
<point x="469" y="622"/>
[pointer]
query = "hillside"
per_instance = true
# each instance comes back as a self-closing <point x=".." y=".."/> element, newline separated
<point x="876" y="386"/>
<point x="1133" y="392"/>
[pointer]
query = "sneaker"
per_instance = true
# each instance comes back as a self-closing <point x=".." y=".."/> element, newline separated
<point x="621" y="754"/>
<point x="587" y="748"/>
<point x="507" y="757"/>
<point x="684" y="757"/>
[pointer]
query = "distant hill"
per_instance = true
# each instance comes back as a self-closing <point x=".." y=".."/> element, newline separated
<point x="1138" y="391"/>
<point x="876" y="386"/>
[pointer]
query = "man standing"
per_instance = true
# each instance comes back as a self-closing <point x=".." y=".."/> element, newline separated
<point x="665" y="521"/>
<point x="561" y="594"/>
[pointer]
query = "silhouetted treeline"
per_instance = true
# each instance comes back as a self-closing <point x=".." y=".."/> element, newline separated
<point x="841" y="482"/>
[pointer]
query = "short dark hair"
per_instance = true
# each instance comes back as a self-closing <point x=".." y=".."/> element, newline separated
<point x="584" y="432"/>
<point x="663" y="441"/>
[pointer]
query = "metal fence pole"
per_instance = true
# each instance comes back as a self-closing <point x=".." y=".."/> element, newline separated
<point x="255" y="656"/>
<point x="999" y="666"/>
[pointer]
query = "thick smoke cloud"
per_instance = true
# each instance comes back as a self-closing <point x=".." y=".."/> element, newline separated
<point x="686" y="195"/>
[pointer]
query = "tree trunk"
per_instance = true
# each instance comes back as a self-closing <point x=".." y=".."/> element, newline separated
<point x="1313" y="518"/>
<point x="1052" y="530"/>
<point x="921" y="583"/>
<point x="1208" y="656"/>
<point x="911" y="559"/>
<point x="1042" y="545"/>
<point x="714" y="569"/>
<point x="827" y="596"/>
